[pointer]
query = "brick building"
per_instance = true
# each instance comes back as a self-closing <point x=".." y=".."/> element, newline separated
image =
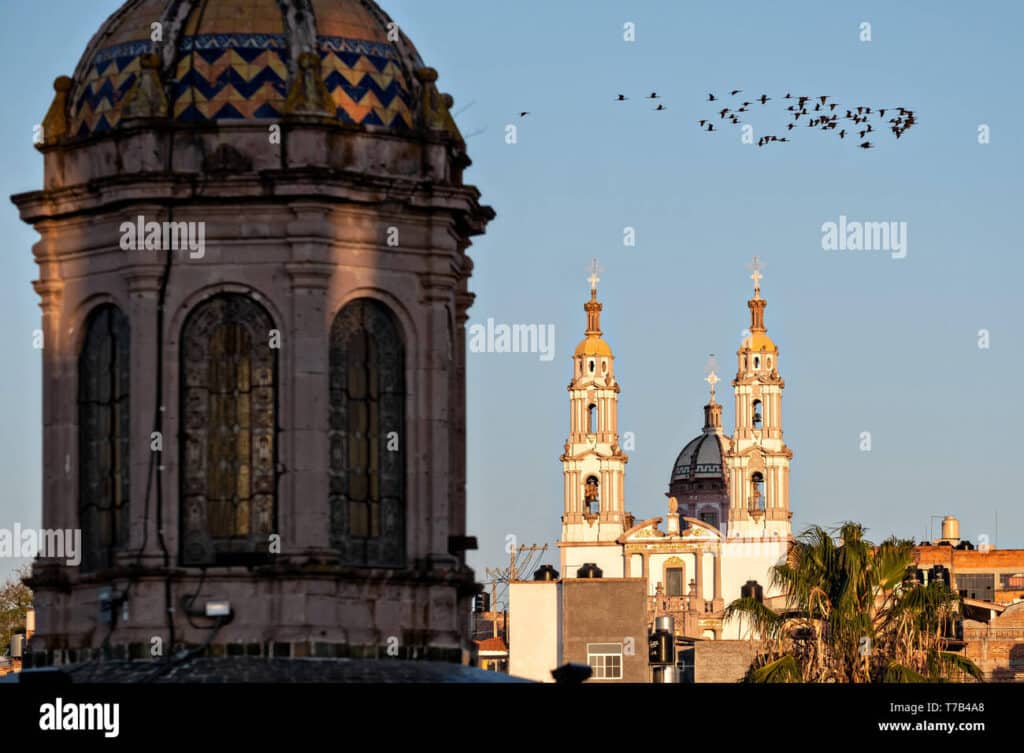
<point x="991" y="586"/>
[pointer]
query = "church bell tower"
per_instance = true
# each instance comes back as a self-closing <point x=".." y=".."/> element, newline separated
<point x="593" y="464"/>
<point x="758" y="460"/>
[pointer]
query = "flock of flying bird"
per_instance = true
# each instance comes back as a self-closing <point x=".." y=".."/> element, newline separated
<point x="820" y="113"/>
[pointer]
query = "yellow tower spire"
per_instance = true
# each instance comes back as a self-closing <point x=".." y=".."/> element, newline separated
<point x="592" y="344"/>
<point x="758" y="459"/>
<point x="593" y="463"/>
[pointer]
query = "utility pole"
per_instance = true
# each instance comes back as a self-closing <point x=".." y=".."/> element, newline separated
<point x="520" y="559"/>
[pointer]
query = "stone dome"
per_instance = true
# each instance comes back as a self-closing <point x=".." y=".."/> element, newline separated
<point x="701" y="458"/>
<point x="237" y="60"/>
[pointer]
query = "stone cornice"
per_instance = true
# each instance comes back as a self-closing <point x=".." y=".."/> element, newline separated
<point x="145" y="278"/>
<point x="329" y="186"/>
<point x="50" y="292"/>
<point x="310" y="275"/>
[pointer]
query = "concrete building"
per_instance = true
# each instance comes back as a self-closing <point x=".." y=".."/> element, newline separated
<point x="254" y="284"/>
<point x="597" y="621"/>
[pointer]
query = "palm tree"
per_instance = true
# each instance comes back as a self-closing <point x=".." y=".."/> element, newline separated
<point x="853" y="615"/>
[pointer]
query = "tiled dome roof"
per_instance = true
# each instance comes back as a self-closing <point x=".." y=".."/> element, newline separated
<point x="234" y="60"/>
<point x="701" y="458"/>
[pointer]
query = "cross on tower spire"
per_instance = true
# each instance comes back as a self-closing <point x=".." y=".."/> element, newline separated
<point x="756" y="265"/>
<point x="595" y="269"/>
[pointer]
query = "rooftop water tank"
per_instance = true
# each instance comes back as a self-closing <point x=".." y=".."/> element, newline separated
<point x="589" y="570"/>
<point x="545" y="572"/>
<point x="752" y="590"/>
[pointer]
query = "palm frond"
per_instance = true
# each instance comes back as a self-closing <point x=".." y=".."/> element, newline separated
<point x="783" y="669"/>
<point x="900" y="673"/>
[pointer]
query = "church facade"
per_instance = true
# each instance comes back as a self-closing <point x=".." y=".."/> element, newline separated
<point x="254" y="284"/>
<point x="728" y="517"/>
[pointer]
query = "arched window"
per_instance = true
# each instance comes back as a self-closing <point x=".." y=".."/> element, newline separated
<point x="367" y="436"/>
<point x="674" y="581"/>
<point x="592" y="495"/>
<point x="757" y="481"/>
<point x="229" y="432"/>
<point x="710" y="517"/>
<point x="592" y="419"/>
<point x="103" y="429"/>
<point x="757" y="414"/>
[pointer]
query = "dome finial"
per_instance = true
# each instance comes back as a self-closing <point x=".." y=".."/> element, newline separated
<point x="712" y="411"/>
<point x="757" y="303"/>
<point x="712" y="377"/>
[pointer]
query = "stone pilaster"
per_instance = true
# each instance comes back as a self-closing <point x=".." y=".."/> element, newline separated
<point x="144" y="298"/>
<point x="435" y="410"/>
<point x="57" y="480"/>
<point x="304" y="514"/>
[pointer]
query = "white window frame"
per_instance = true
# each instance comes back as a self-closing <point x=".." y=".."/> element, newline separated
<point x="602" y="651"/>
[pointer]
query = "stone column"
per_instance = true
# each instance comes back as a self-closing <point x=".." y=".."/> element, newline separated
<point x="699" y="575"/>
<point x="718" y="576"/>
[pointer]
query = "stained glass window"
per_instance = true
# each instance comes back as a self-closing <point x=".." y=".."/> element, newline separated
<point x="103" y="427"/>
<point x="367" y="436"/>
<point x="229" y="406"/>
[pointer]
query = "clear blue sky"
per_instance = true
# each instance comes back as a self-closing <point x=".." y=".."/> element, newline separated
<point x="867" y="343"/>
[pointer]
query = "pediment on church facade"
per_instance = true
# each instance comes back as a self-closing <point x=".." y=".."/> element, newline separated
<point x="751" y="450"/>
<point x="698" y="529"/>
<point x="645" y="530"/>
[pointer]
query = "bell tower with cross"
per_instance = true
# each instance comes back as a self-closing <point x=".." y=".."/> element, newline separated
<point x="593" y="464"/>
<point x="758" y="460"/>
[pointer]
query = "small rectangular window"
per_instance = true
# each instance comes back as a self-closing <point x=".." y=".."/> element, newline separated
<point x="605" y="659"/>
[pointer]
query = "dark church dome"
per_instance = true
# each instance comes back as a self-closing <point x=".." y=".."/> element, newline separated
<point x="701" y="458"/>
<point x="232" y="60"/>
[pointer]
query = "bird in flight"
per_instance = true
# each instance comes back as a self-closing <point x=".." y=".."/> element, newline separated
<point x="621" y="98"/>
<point x="523" y="114"/>
<point x="660" y="107"/>
<point x="824" y="113"/>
